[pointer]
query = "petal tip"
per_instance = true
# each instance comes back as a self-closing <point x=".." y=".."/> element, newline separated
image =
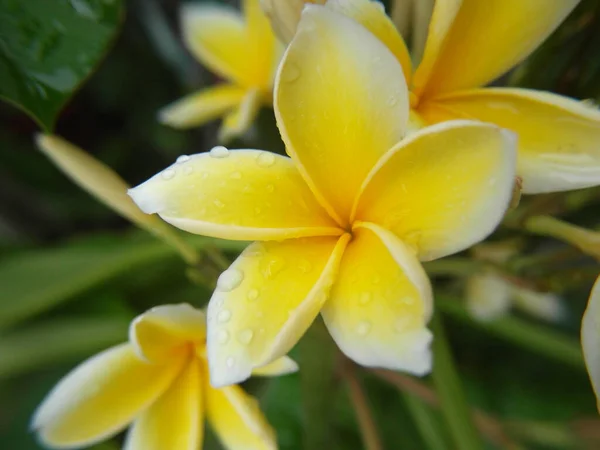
<point x="145" y="202"/>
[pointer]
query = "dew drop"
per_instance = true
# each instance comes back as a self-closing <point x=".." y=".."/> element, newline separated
<point x="270" y="188"/>
<point x="223" y="316"/>
<point x="252" y="294"/>
<point x="218" y="203"/>
<point x="219" y="152"/>
<point x="273" y="267"/>
<point x="304" y="266"/>
<point x="223" y="336"/>
<point x="408" y="300"/>
<point x="290" y="73"/>
<point x="363" y="328"/>
<point x="183" y="158"/>
<point x="265" y="159"/>
<point x="365" y="298"/>
<point x="393" y="100"/>
<point x="236" y="175"/>
<point x="230" y="362"/>
<point x="229" y="280"/>
<point x="245" y="336"/>
<point x="168" y="174"/>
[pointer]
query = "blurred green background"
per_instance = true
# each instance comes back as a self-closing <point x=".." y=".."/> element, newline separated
<point x="73" y="273"/>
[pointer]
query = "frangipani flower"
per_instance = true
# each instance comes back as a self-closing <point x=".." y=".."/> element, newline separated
<point x="242" y="50"/>
<point x="472" y="42"/>
<point x="158" y="383"/>
<point x="344" y="220"/>
<point x="590" y="338"/>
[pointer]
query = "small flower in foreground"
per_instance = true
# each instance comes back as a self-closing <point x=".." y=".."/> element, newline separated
<point x="473" y="42"/>
<point x="590" y="338"/>
<point x="242" y="50"/>
<point x="158" y="383"/>
<point x="346" y="218"/>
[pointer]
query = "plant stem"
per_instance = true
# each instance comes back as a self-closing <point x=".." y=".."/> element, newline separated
<point x="366" y="423"/>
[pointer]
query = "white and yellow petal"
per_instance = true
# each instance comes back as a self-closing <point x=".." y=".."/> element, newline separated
<point x="341" y="102"/>
<point x="380" y="303"/>
<point x="488" y="296"/>
<point x="559" y="138"/>
<point x="590" y="339"/>
<point x="472" y="42"/>
<point x="239" y="120"/>
<point x="237" y="420"/>
<point x="265" y="302"/>
<point x="239" y="194"/>
<point x="163" y="331"/>
<point x="101" y="397"/>
<point x="200" y="107"/>
<point x="281" y="366"/>
<point x="443" y="188"/>
<point x="263" y="50"/>
<point x="175" y="420"/>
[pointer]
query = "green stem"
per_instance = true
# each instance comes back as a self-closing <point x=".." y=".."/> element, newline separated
<point x="453" y="402"/>
<point x="368" y="429"/>
<point x="426" y="422"/>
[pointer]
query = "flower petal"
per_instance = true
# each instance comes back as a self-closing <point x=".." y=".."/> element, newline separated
<point x="238" y="121"/>
<point x="201" y="107"/>
<point x="371" y="15"/>
<point x="474" y="42"/>
<point x="237" y="420"/>
<point x="241" y="194"/>
<point x="100" y="397"/>
<point x="158" y="332"/>
<point x="488" y="296"/>
<point x="218" y="36"/>
<point x="281" y="366"/>
<point x="341" y="103"/>
<point x="265" y="302"/>
<point x="559" y="138"/>
<point x="444" y="188"/>
<point x="590" y="338"/>
<point x="175" y="420"/>
<point x="380" y="303"/>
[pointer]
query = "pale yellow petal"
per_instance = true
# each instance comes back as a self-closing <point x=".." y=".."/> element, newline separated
<point x="237" y="420"/>
<point x="380" y="303"/>
<point x="219" y="37"/>
<point x="590" y="339"/>
<point x="175" y="420"/>
<point x="341" y="103"/>
<point x="281" y="366"/>
<point x="238" y="121"/>
<point x="163" y="330"/>
<point x="444" y="188"/>
<point x="239" y="194"/>
<point x="371" y="15"/>
<point x="101" y="397"/>
<point x="201" y="107"/>
<point x="482" y="40"/>
<point x="265" y="302"/>
<point x="261" y="42"/>
<point x="559" y="138"/>
<point x="284" y="16"/>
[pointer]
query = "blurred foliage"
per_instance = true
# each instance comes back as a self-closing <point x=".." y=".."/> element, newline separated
<point x="72" y="273"/>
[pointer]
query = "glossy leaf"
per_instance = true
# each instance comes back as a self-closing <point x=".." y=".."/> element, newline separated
<point x="49" y="47"/>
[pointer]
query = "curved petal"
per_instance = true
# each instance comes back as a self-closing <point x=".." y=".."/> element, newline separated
<point x="341" y="103"/>
<point x="201" y="107"/>
<point x="175" y="420"/>
<point x="218" y="36"/>
<point x="559" y="138"/>
<point x="262" y="46"/>
<point x="281" y="366"/>
<point x="483" y="40"/>
<point x="237" y="420"/>
<point x="590" y="339"/>
<point x="380" y="303"/>
<point x="444" y="188"/>
<point x="100" y="397"/>
<point x="240" y="194"/>
<point x="265" y="302"/>
<point x="371" y="15"/>
<point x="238" y="121"/>
<point x="157" y="333"/>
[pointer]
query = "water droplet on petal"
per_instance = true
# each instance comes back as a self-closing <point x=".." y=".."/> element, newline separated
<point x="252" y="294"/>
<point x="245" y="336"/>
<point x="183" y="158"/>
<point x="393" y="100"/>
<point x="236" y="175"/>
<point x="408" y="300"/>
<point x="363" y="328"/>
<point x="224" y="316"/>
<point x="304" y="266"/>
<point x="230" y="362"/>
<point x="365" y="298"/>
<point x="290" y="72"/>
<point x="265" y="159"/>
<point x="273" y="267"/>
<point x="168" y="174"/>
<point x="223" y="336"/>
<point x="229" y="280"/>
<point x="218" y="203"/>
<point x="270" y="188"/>
<point x="219" y="152"/>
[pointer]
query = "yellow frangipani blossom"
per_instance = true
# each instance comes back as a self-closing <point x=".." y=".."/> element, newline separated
<point x="472" y="42"/>
<point x="241" y="50"/>
<point x="590" y="338"/>
<point x="345" y="220"/>
<point x="285" y="15"/>
<point x="158" y="384"/>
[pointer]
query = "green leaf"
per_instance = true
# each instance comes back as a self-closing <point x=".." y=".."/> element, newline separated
<point x="454" y="405"/>
<point x="426" y="421"/>
<point x="57" y="341"/>
<point x="49" y="47"/>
